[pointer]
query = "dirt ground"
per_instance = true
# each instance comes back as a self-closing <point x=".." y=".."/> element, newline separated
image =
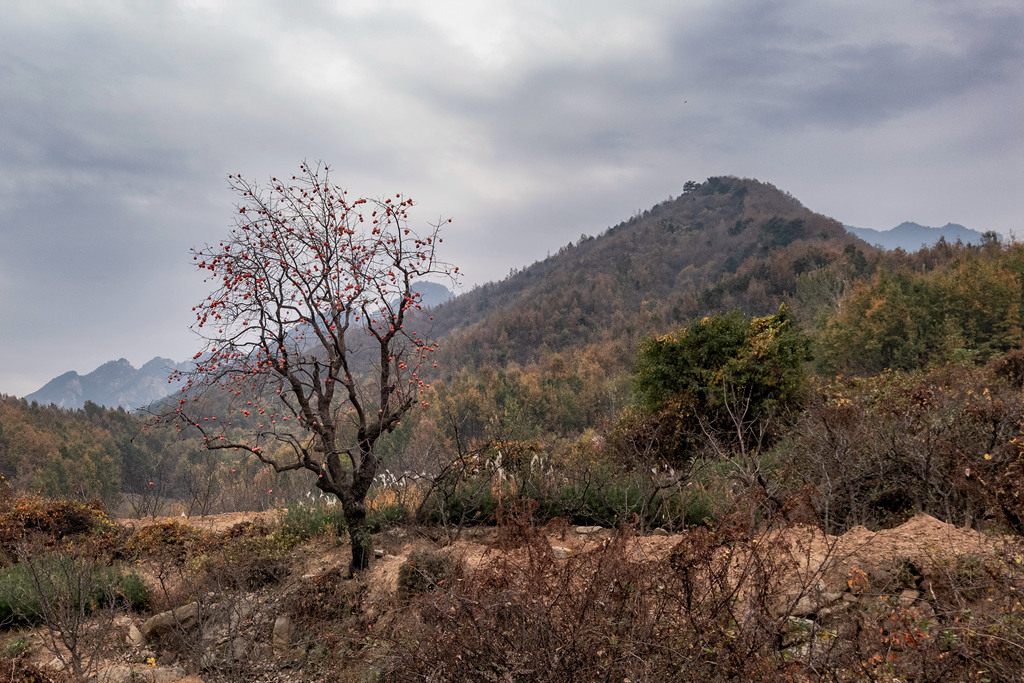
<point x="924" y="541"/>
<point x="214" y="523"/>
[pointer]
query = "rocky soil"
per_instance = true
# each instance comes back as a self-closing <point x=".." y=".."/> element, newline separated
<point x="827" y="573"/>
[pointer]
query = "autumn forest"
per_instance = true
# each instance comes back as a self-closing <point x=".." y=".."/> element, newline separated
<point x="718" y="368"/>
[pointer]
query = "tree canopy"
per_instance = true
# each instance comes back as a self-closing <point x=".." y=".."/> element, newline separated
<point x="697" y="378"/>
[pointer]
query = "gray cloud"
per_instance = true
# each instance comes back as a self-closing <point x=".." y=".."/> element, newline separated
<point x="529" y="123"/>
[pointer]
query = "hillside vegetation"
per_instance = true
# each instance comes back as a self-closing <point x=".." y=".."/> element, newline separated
<point x="726" y="368"/>
<point x="724" y="244"/>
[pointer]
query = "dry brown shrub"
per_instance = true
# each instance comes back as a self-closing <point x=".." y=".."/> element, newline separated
<point x="604" y="614"/>
<point x="169" y="540"/>
<point x="52" y="521"/>
<point x="20" y="670"/>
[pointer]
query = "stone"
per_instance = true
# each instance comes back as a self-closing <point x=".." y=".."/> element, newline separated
<point x="908" y="597"/>
<point x="560" y="553"/>
<point x="184" y="617"/>
<point x="239" y="648"/>
<point x="208" y="661"/>
<point x="135" y="636"/>
<point x="589" y="530"/>
<point x="832" y="610"/>
<point x="284" y="632"/>
<point x="807" y="603"/>
<point x="166" y="674"/>
<point x="796" y="630"/>
<point x="128" y="673"/>
<point x="829" y="597"/>
<point x="801" y="651"/>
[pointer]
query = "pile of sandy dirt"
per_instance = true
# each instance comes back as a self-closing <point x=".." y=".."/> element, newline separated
<point x="924" y="542"/>
<point x="216" y="523"/>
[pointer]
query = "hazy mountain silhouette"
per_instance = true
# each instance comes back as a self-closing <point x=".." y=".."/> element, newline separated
<point x="115" y="383"/>
<point x="912" y="236"/>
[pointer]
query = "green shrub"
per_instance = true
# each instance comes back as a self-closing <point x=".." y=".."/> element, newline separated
<point x="687" y="381"/>
<point x="700" y="508"/>
<point x="16" y="595"/>
<point x="134" y="591"/>
<point x="16" y="647"/>
<point x="25" y="588"/>
<point x="607" y="500"/>
<point x="628" y="498"/>
<point x="471" y="501"/>
<point x="388" y="516"/>
<point x="306" y="521"/>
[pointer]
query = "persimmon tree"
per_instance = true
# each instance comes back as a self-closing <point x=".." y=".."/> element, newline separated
<point x="312" y="332"/>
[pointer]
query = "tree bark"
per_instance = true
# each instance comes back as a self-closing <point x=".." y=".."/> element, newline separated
<point x="359" y="537"/>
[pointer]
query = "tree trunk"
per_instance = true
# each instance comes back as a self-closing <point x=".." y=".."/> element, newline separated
<point x="359" y="535"/>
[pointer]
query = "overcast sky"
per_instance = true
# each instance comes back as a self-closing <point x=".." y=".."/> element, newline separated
<point x="528" y="123"/>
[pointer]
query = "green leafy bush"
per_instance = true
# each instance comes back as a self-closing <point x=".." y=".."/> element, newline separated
<point x="306" y="521"/>
<point x="27" y="588"/>
<point x="702" y="377"/>
<point x="469" y="501"/>
<point x="16" y="647"/>
<point x="388" y="516"/>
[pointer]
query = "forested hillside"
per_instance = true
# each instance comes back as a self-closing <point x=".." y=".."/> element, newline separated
<point x="723" y="244"/>
<point x="110" y="457"/>
<point x="549" y="349"/>
<point x="728" y="378"/>
<point x="90" y="453"/>
<point x="548" y="366"/>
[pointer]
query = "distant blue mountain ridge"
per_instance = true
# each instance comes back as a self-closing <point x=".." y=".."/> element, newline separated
<point x="118" y="383"/>
<point x="115" y="383"/>
<point x="431" y="293"/>
<point x="912" y="236"/>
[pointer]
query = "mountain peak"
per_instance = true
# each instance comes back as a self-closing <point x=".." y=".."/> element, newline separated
<point x="114" y="383"/>
<point x="706" y="250"/>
